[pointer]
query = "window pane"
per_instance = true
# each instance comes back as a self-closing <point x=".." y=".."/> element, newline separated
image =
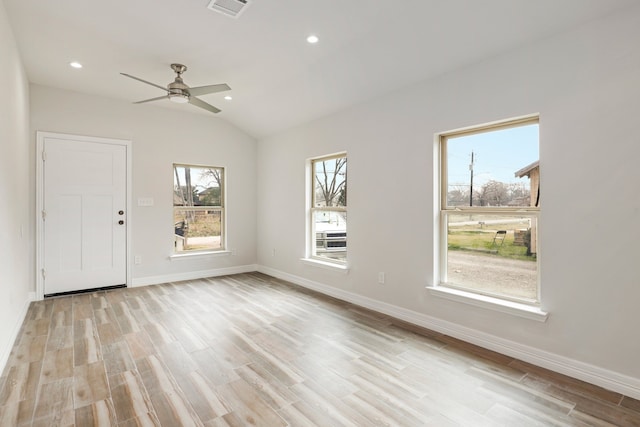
<point x="330" y="182"/>
<point x="197" y="229"/>
<point x="493" y="254"/>
<point x="330" y="230"/>
<point x="494" y="168"/>
<point x="197" y="186"/>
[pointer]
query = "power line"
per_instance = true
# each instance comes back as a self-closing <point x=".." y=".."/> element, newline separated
<point x="471" y="184"/>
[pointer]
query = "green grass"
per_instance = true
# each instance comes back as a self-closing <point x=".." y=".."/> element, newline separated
<point x="482" y="241"/>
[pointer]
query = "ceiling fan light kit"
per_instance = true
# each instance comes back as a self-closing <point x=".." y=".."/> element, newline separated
<point x="180" y="93"/>
<point x="179" y="98"/>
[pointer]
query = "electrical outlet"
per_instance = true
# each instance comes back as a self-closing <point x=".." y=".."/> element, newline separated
<point x="381" y="278"/>
<point x="137" y="260"/>
<point x="273" y="252"/>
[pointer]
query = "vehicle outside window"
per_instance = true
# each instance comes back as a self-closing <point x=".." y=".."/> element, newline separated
<point x="328" y="208"/>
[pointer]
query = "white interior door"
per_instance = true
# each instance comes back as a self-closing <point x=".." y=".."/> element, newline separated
<point x="84" y="214"/>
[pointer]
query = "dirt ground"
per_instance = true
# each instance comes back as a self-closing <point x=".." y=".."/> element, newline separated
<point x="494" y="274"/>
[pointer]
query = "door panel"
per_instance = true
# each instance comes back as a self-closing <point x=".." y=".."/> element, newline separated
<point x="84" y="189"/>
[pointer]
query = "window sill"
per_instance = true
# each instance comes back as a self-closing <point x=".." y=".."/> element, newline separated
<point x="207" y="254"/>
<point x="510" y="307"/>
<point x="344" y="269"/>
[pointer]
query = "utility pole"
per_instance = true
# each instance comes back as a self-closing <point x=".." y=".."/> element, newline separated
<point x="471" y="186"/>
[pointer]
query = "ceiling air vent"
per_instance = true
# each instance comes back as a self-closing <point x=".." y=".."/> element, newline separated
<point x="233" y="8"/>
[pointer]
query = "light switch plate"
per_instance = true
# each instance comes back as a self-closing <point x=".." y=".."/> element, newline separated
<point x="145" y="201"/>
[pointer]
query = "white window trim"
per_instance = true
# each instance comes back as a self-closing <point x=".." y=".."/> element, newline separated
<point x="223" y="217"/>
<point x="310" y="258"/>
<point x="526" y="311"/>
<point x="321" y="263"/>
<point x="195" y="254"/>
<point x="440" y="289"/>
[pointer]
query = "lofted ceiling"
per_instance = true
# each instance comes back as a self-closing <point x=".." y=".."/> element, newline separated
<point x="278" y="80"/>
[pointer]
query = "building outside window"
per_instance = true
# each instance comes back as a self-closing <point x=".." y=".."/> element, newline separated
<point x="489" y="209"/>
<point x="198" y="208"/>
<point x="328" y="210"/>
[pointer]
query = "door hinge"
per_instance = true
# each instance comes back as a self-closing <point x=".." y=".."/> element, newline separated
<point x="44" y="214"/>
<point x="44" y="273"/>
<point x="44" y="156"/>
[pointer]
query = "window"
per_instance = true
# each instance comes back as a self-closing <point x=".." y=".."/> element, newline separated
<point x="490" y="203"/>
<point x="198" y="208"/>
<point x="328" y="210"/>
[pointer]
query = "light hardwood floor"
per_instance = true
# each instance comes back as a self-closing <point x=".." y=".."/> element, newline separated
<point x="249" y="350"/>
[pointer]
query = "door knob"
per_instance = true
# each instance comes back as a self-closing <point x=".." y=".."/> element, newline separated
<point x="121" y="222"/>
<point x="120" y="212"/>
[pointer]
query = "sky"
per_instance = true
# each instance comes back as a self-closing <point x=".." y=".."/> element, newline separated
<point x="497" y="155"/>
<point x="198" y="180"/>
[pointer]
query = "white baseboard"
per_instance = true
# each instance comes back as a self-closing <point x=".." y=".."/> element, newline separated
<point x="611" y="380"/>
<point x="6" y="352"/>
<point x="192" y="275"/>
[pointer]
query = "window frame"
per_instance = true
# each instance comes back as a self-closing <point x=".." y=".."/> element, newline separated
<point x="444" y="210"/>
<point x="312" y="210"/>
<point x="218" y="208"/>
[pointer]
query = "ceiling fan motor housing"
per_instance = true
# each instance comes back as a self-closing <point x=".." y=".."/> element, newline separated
<point x="177" y="87"/>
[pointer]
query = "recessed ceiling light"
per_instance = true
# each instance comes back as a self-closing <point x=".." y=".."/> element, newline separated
<point x="228" y="98"/>
<point x="75" y="64"/>
<point x="313" y="39"/>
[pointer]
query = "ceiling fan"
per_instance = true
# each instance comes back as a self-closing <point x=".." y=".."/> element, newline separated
<point x="180" y="93"/>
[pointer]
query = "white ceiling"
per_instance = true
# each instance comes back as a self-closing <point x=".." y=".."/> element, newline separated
<point x="278" y="80"/>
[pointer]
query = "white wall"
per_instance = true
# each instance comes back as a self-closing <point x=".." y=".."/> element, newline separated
<point x="585" y="85"/>
<point x="15" y="222"/>
<point x="161" y="137"/>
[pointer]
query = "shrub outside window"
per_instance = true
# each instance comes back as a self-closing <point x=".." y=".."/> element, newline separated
<point x="198" y="208"/>
<point x="490" y="203"/>
<point x="328" y="210"/>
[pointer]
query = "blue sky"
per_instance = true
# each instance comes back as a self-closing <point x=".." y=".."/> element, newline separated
<point x="497" y="155"/>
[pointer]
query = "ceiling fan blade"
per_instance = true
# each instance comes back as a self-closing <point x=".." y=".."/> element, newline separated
<point x="203" y="90"/>
<point x="144" y="81"/>
<point x="198" y="103"/>
<point x="152" y="99"/>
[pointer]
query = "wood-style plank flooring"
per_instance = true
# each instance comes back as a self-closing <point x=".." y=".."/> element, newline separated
<point x="250" y="350"/>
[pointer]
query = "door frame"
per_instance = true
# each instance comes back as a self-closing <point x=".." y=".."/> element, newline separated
<point x="40" y="138"/>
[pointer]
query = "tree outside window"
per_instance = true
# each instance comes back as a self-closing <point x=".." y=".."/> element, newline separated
<point x="329" y="209"/>
<point x="198" y="208"/>
<point x="489" y="210"/>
